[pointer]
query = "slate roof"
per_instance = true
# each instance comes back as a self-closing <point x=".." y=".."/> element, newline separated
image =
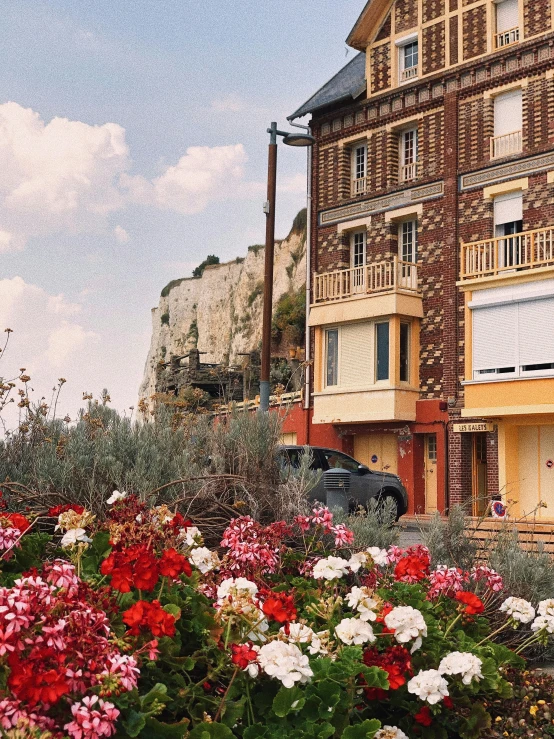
<point x="347" y="84"/>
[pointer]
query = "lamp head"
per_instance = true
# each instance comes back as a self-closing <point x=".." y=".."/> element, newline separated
<point x="298" y="139"/>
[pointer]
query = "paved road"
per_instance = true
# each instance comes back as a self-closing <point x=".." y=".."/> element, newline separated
<point x="410" y="536"/>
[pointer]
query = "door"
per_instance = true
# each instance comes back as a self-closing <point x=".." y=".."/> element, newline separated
<point x="536" y="470"/>
<point x="289" y="438"/>
<point x="379" y="452"/>
<point x="431" y="502"/>
<point x="480" y="498"/>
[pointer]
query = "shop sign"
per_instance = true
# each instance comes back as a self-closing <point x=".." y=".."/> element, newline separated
<point x="472" y="428"/>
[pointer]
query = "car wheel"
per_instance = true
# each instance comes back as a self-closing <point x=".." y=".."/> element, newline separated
<point x="387" y="502"/>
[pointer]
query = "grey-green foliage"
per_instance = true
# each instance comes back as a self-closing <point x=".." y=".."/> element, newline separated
<point x="296" y="484"/>
<point x="448" y="541"/>
<point x="526" y="574"/>
<point x="372" y="527"/>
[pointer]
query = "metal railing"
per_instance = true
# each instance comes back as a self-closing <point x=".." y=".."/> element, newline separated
<point x="508" y="143"/>
<point x="506" y="38"/>
<point x="360" y="186"/>
<point x="408" y="172"/>
<point x="408" y="74"/>
<point x="378" y="277"/>
<point x="527" y="250"/>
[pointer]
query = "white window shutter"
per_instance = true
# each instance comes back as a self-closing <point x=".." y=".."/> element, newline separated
<point x="536" y="331"/>
<point x="508" y="208"/>
<point x="494" y="337"/>
<point x="508" y="112"/>
<point x="356" y="355"/>
<point x="507" y="15"/>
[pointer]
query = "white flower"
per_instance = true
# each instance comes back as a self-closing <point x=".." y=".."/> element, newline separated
<point x="429" y="686"/>
<point x="390" y="732"/>
<point x="462" y="663"/>
<point x="320" y="643"/>
<point x="238" y="587"/>
<point x="115" y="496"/>
<point x="407" y="624"/>
<point x="360" y="599"/>
<point x="546" y="607"/>
<point x="285" y="662"/>
<point x="379" y="556"/>
<point x="193" y="536"/>
<point x="204" y="559"/>
<point x="330" y="568"/>
<point x="297" y="633"/>
<point x="357" y="560"/>
<point x="354" y="631"/>
<point x="74" y="536"/>
<point x="519" y="609"/>
<point x="543" y="623"/>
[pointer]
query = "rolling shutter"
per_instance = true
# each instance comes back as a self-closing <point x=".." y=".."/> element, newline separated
<point x="508" y="208"/>
<point x="356" y="355"/>
<point x="494" y="344"/>
<point x="536" y="332"/>
<point x="507" y="15"/>
<point x="508" y="113"/>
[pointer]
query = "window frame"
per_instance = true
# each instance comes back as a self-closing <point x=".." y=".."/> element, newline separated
<point x="402" y="237"/>
<point x="326" y="367"/>
<point x="412" y="150"/>
<point x="507" y="36"/>
<point x="379" y="379"/>
<point x="353" y="246"/>
<point x="356" y="187"/>
<point x="405" y="73"/>
<point x="407" y="362"/>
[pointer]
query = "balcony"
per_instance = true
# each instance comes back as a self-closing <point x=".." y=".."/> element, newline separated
<point x="506" y="145"/>
<point x="371" y="279"/>
<point x="506" y="38"/>
<point x="360" y="186"/>
<point x="507" y="254"/>
<point x="408" y="172"/>
<point x="408" y="74"/>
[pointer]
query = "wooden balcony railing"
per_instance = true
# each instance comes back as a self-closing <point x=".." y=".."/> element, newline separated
<point x="408" y="172"/>
<point x="360" y="186"/>
<point x="509" y="143"/>
<point x="527" y="250"/>
<point x="370" y="279"/>
<point x="408" y="74"/>
<point x="506" y="38"/>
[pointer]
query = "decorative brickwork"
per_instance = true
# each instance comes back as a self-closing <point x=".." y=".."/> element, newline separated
<point x="432" y="9"/>
<point x="492" y="464"/>
<point x="405" y="15"/>
<point x="476" y="128"/>
<point x="475" y="37"/>
<point x="536" y="16"/>
<point x="537" y="114"/>
<point x="453" y="5"/>
<point x="380" y="68"/>
<point x="431" y="136"/>
<point x="385" y="30"/>
<point x="453" y="40"/>
<point x="538" y="203"/>
<point x="434" y="52"/>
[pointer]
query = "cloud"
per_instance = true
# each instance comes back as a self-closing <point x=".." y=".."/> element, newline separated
<point x="230" y="104"/>
<point x="121" y="235"/>
<point x="69" y="176"/>
<point x="294" y="184"/>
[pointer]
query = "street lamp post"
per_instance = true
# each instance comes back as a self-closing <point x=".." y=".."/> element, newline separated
<point x="291" y="139"/>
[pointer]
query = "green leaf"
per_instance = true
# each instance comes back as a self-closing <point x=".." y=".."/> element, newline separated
<point x="134" y="723"/>
<point x="157" y="693"/>
<point x="477" y="722"/>
<point x="366" y="730"/>
<point x="101" y="543"/>
<point x="257" y="731"/>
<point x="287" y="700"/>
<point x="211" y="731"/>
<point x="173" y="610"/>
<point x="325" y="731"/>
<point x="155" y="729"/>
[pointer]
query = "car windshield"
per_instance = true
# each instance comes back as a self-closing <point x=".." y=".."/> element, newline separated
<point x="292" y="458"/>
<point x="338" y="461"/>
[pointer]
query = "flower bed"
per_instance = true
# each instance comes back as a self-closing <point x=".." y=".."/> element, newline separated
<point x="131" y="627"/>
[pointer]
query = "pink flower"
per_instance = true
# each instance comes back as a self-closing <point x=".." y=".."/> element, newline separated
<point x="323" y="517"/>
<point x="9" y="538"/>
<point x="446" y="580"/>
<point x="62" y="575"/>
<point x="304" y="522"/>
<point x="491" y="577"/>
<point x="125" y="668"/>
<point x="343" y="535"/>
<point x="395" y="554"/>
<point x="92" y="718"/>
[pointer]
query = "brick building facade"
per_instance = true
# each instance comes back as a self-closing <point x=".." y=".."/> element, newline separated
<point x="432" y="253"/>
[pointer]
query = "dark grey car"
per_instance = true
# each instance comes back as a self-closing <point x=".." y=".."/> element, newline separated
<point x="344" y="477"/>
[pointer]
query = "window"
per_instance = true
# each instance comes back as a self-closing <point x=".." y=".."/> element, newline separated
<point x="333" y="460"/>
<point x="407" y="236"/>
<point x="508" y="124"/>
<point x="409" y="60"/>
<point x="512" y="339"/>
<point x="408" y="154"/>
<point x="404" y="352"/>
<point x="508" y="220"/>
<point x="358" y="242"/>
<point x="382" y="351"/>
<point x="359" y="169"/>
<point x="332" y="357"/>
<point x="432" y="447"/>
<point x="507" y="23"/>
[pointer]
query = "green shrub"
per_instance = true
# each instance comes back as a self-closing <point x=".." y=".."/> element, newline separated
<point x="372" y="527"/>
<point x="170" y="285"/>
<point x="210" y="259"/>
<point x="256" y="248"/>
<point x="165" y="318"/>
<point x="300" y="222"/>
<point x="290" y="311"/>
<point x="256" y="292"/>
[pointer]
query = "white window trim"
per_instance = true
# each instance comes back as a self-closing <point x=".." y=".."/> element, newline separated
<point x="401" y="239"/>
<point x="326" y="353"/>
<point x="353" y="235"/>
<point x="400" y="46"/>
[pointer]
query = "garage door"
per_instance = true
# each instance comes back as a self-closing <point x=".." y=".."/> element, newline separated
<point x="378" y="451"/>
<point x="536" y="470"/>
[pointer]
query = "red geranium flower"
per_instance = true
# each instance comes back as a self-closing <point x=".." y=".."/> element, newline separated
<point x="412" y="568"/>
<point x="151" y="616"/>
<point x="28" y="683"/>
<point x="59" y="509"/>
<point x="396" y="661"/>
<point x="448" y="702"/>
<point x="172" y="564"/>
<point x="135" y="616"/>
<point x="18" y="521"/>
<point x="145" y="570"/>
<point x="280" y="608"/>
<point x="424" y="717"/>
<point x="243" y="654"/>
<point x="120" y="570"/>
<point x="473" y="604"/>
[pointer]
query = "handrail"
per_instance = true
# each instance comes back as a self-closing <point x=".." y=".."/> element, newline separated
<point x="378" y="277"/>
<point x="408" y="172"/>
<point x="506" y="38"/>
<point x="490" y="257"/>
<point x="408" y="74"/>
<point x="508" y="143"/>
<point x="360" y="186"/>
